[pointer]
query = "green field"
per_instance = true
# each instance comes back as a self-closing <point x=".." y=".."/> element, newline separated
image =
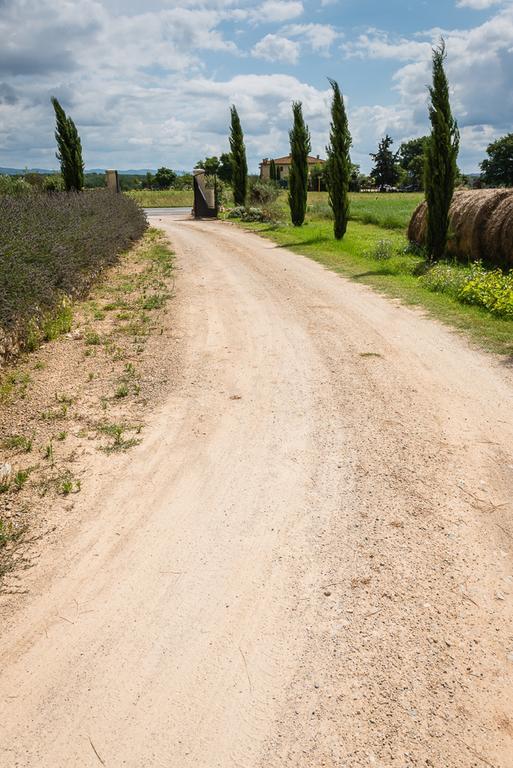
<point x="166" y="198"/>
<point x="391" y="211"/>
<point x="387" y="210"/>
<point x="357" y="257"/>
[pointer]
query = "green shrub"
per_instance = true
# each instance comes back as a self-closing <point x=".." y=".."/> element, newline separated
<point x="253" y="214"/>
<point x="237" y="212"/>
<point x="263" y="192"/>
<point x="492" y="290"/>
<point x="14" y="185"/>
<point x="383" y="251"/>
<point x="446" y="278"/>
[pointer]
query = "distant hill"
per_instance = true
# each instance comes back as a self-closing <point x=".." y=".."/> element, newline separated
<point x="48" y="172"/>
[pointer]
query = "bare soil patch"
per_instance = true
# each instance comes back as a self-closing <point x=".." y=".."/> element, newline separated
<point x="88" y="392"/>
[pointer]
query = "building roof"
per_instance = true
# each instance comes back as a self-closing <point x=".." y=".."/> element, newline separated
<point x="288" y="159"/>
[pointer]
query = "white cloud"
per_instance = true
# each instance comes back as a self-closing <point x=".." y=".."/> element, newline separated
<point x="132" y="75"/>
<point x="478" y="5"/>
<point x="319" y="37"/>
<point x="278" y="10"/>
<point x="479" y="66"/>
<point x="276" y="48"/>
<point x="375" y="44"/>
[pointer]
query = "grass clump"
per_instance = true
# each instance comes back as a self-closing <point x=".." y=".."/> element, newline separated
<point x="9" y="533"/>
<point x="119" y="442"/>
<point x="14" y="383"/>
<point x="92" y="338"/>
<point x="68" y="484"/>
<point x="17" y="443"/>
<point x="20" y="478"/>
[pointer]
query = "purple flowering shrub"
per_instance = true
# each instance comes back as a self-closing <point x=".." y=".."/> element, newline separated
<point x="54" y="246"/>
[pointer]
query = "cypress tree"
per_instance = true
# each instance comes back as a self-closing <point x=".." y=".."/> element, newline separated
<point x="339" y="163"/>
<point x="298" y="176"/>
<point x="240" y="165"/>
<point x="69" y="149"/>
<point x="272" y="171"/>
<point x="441" y="155"/>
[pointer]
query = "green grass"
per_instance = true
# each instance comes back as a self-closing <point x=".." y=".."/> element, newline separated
<point x="397" y="276"/>
<point x="166" y="198"/>
<point x="18" y="443"/>
<point x="387" y="210"/>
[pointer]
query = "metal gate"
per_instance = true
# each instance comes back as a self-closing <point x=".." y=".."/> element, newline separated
<point x="205" y="204"/>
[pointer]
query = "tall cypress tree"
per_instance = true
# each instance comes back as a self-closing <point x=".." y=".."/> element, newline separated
<point x="69" y="149"/>
<point x="239" y="162"/>
<point x="441" y="155"/>
<point x="339" y="163"/>
<point x="298" y="175"/>
<point x="272" y="171"/>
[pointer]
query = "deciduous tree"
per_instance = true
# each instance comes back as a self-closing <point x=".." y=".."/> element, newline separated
<point x="412" y="159"/>
<point x="385" y="172"/>
<point x="497" y="169"/>
<point x="164" y="178"/>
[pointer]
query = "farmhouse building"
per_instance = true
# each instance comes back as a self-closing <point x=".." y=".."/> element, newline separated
<point x="283" y="166"/>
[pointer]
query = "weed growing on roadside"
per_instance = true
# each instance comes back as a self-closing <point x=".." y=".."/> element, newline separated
<point x="21" y="477"/>
<point x="9" y="532"/>
<point x="64" y="398"/>
<point x="92" y="338"/>
<point x="116" y="432"/>
<point x="121" y="391"/>
<point x="59" y="322"/>
<point x="55" y="414"/>
<point x="156" y="301"/>
<point x="14" y="383"/>
<point x="492" y="290"/>
<point x="18" y="443"/>
<point x="48" y="452"/>
<point x="68" y="484"/>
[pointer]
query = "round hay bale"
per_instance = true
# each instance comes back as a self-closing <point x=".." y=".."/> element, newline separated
<point x="498" y="233"/>
<point x="481" y="226"/>
<point x="471" y="213"/>
<point x="418" y="224"/>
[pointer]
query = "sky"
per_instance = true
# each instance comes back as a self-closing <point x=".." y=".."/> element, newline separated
<point x="149" y="83"/>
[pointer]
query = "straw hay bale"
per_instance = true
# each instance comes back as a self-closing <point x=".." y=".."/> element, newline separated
<point x="481" y="226"/>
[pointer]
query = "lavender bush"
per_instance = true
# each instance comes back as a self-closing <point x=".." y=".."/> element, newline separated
<point x="53" y="247"/>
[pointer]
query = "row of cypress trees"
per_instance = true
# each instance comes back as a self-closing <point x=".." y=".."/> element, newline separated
<point x="440" y="161"/>
<point x="338" y="165"/>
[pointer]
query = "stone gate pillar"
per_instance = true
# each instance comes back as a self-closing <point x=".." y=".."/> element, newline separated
<point x="112" y="178"/>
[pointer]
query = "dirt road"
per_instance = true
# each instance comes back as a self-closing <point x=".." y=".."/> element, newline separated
<point x="308" y="561"/>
